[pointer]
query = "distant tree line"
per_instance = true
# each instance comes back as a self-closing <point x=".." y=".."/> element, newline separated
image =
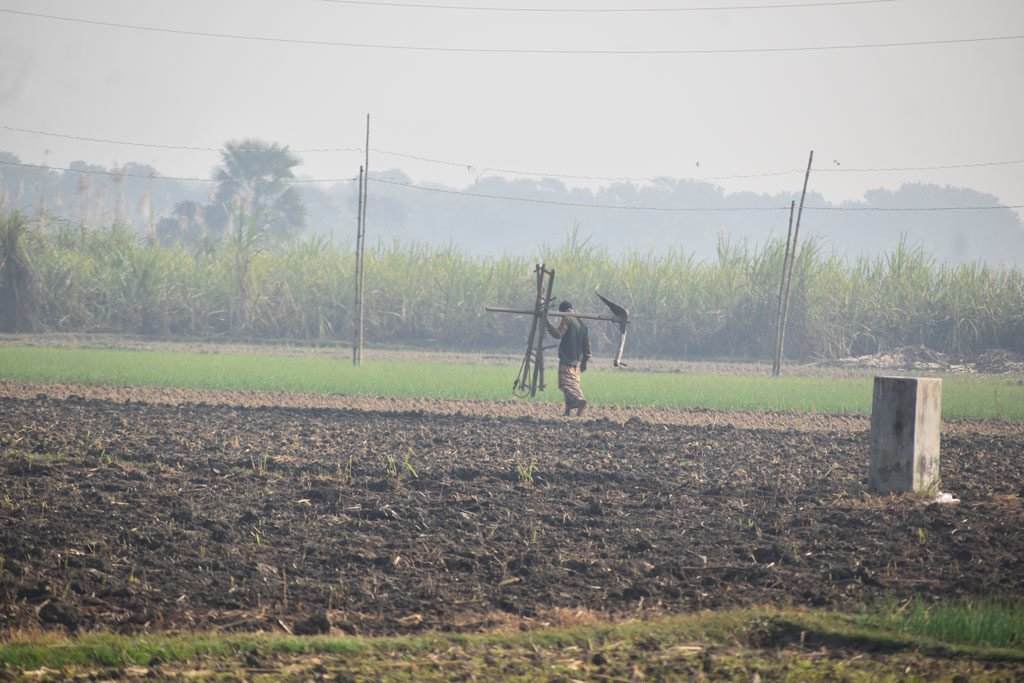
<point x="253" y="178"/>
<point x="257" y="177"/>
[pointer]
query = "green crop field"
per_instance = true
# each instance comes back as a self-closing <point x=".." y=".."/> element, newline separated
<point x="969" y="397"/>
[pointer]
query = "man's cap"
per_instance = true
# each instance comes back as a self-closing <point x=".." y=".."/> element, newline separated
<point x="564" y="306"/>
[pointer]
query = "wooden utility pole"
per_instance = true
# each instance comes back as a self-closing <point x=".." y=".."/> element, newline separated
<point x="357" y="347"/>
<point x="357" y="336"/>
<point x="792" y="258"/>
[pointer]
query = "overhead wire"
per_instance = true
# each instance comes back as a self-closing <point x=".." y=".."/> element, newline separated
<point x="529" y="51"/>
<point x="534" y="200"/>
<point x="608" y="10"/>
<point x="531" y="200"/>
<point x="403" y="155"/>
<point x="722" y="177"/>
<point x="546" y="174"/>
<point x="579" y="177"/>
<point x="156" y="176"/>
<point x="159" y="146"/>
<point x="921" y="168"/>
<point x="497" y="50"/>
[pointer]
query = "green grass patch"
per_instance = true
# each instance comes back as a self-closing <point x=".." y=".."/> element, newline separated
<point x="258" y="372"/>
<point x="967" y="397"/>
<point x="976" y="397"/>
<point x="730" y="645"/>
<point x="983" y="622"/>
<point x="112" y="650"/>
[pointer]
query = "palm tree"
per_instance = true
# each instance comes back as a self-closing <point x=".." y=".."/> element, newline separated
<point x="17" y="278"/>
<point x="253" y="178"/>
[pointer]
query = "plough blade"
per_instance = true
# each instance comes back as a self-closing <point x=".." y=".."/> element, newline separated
<point x="621" y="316"/>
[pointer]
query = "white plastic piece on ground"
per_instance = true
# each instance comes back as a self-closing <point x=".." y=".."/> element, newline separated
<point x="943" y="498"/>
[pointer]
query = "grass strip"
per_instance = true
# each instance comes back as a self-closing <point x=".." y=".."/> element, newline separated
<point x="974" y="397"/>
<point x="112" y="650"/>
<point x="735" y="644"/>
<point x="984" y="622"/>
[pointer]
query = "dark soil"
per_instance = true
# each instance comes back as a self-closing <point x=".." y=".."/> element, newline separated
<point x="144" y="510"/>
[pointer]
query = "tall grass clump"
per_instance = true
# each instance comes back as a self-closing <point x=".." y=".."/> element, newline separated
<point x="248" y="287"/>
<point x="18" y="281"/>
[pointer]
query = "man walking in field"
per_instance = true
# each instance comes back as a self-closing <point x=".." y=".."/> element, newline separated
<point x="573" y="354"/>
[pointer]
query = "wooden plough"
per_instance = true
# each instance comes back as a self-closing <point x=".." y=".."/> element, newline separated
<point x="531" y="373"/>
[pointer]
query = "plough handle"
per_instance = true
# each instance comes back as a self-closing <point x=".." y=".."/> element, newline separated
<point x="557" y="314"/>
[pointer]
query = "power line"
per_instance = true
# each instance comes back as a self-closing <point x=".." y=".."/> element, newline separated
<point x="568" y="204"/>
<point x="473" y="168"/>
<point x="913" y="208"/>
<point x="714" y="8"/>
<point x="575" y="204"/>
<point x="765" y="174"/>
<point x="579" y="177"/>
<point x="423" y="48"/>
<point x="517" y="199"/>
<point x="684" y="208"/>
<point x="158" y="146"/>
<point x="919" y="168"/>
<point x="154" y="176"/>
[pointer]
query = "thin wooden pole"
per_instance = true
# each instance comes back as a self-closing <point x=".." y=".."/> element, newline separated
<point x="362" y="246"/>
<point x="545" y="301"/>
<point x="792" y="259"/>
<point x="782" y="285"/>
<point x="356" y="305"/>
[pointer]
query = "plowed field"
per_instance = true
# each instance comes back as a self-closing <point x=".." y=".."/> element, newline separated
<point x="135" y="510"/>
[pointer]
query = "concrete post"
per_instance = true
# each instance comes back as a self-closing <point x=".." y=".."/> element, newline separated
<point x="906" y="414"/>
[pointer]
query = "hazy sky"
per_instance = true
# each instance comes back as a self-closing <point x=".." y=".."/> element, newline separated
<point x="555" y="92"/>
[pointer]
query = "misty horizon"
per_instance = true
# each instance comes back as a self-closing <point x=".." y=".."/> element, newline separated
<point x="500" y="215"/>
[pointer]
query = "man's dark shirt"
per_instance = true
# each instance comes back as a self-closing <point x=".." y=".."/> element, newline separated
<point x="575" y="344"/>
